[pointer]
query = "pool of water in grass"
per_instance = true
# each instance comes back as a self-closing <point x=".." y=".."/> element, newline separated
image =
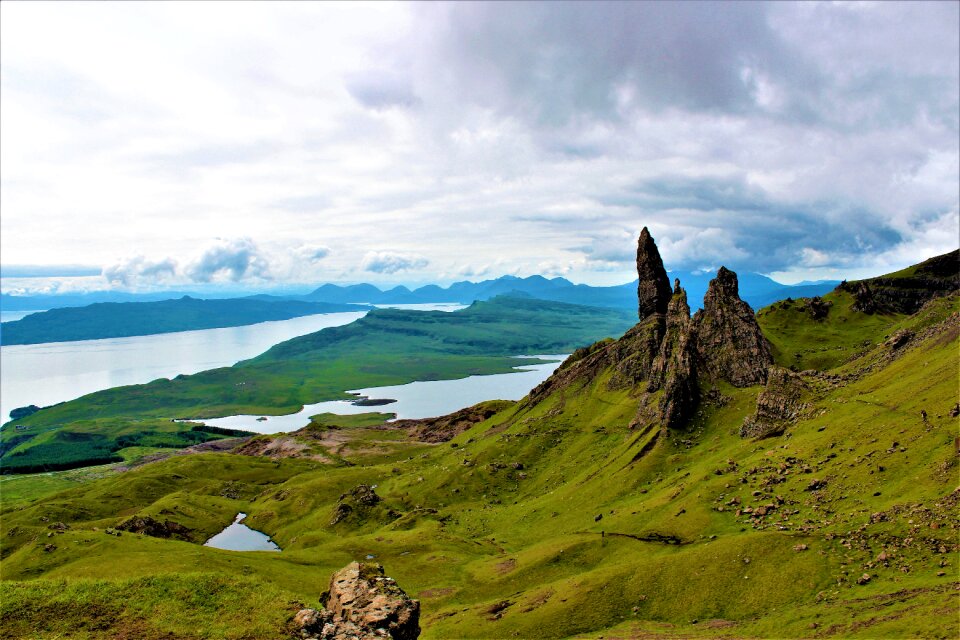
<point x="240" y="537"/>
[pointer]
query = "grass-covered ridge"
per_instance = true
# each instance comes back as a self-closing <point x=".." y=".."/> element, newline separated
<point x="122" y="319"/>
<point x="559" y="519"/>
<point x="385" y="347"/>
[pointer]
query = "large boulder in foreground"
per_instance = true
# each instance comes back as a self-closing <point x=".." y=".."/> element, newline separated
<point x="361" y="603"/>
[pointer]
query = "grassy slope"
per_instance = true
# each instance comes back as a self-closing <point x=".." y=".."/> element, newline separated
<point x="519" y="553"/>
<point x="121" y="319"/>
<point x="384" y="348"/>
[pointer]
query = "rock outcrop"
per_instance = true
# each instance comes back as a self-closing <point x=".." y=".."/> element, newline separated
<point x="729" y="341"/>
<point x="361" y="603"/>
<point x="653" y="289"/>
<point x="357" y="501"/>
<point x="150" y="527"/>
<point x="907" y="291"/>
<point x="778" y="405"/>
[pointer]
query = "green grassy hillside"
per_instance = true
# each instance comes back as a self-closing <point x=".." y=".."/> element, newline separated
<point x="386" y="347"/>
<point x="556" y="519"/>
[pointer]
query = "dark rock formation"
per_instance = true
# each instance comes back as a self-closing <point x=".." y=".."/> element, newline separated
<point x="361" y="603"/>
<point x="817" y="308"/>
<point x="675" y="367"/>
<point x="154" y="528"/>
<point x="778" y="405"/>
<point x="668" y="351"/>
<point x="653" y="290"/>
<point x="22" y="412"/>
<point x="729" y="341"/>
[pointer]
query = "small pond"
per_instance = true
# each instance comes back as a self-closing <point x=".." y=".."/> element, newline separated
<point x="240" y="537"/>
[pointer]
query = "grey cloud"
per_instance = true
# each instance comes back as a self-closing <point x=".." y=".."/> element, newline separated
<point x="747" y="228"/>
<point x="838" y="65"/>
<point x="236" y="260"/>
<point x="381" y="90"/>
<point x="392" y="262"/>
<point x="559" y="59"/>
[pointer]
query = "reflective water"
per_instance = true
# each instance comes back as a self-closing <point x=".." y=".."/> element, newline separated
<point x="424" y="399"/>
<point x="45" y="374"/>
<point x="240" y="537"/>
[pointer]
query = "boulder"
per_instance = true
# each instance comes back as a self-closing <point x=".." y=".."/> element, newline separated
<point x="362" y="602"/>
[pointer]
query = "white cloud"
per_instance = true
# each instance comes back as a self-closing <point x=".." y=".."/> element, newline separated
<point x="506" y="135"/>
<point x="391" y="262"/>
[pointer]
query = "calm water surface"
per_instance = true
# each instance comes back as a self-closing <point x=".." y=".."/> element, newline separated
<point x="45" y="374"/>
<point x="425" y="399"/>
<point x="240" y="537"/>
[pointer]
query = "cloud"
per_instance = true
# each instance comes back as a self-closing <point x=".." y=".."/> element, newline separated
<point x="137" y="270"/>
<point x="311" y="253"/>
<point x="391" y="262"/>
<point x="377" y="89"/>
<point x="235" y="260"/>
<point x="772" y="137"/>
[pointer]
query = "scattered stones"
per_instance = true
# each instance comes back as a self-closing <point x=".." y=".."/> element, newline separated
<point x="864" y="579"/>
<point x="816" y="485"/>
<point x="800" y="547"/>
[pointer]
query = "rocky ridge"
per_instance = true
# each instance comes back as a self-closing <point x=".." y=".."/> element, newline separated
<point x="899" y="293"/>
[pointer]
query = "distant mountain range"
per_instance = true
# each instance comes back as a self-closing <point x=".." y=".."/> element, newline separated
<point x="757" y="290"/>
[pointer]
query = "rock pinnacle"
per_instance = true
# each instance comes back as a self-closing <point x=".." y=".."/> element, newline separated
<point x="653" y="290"/>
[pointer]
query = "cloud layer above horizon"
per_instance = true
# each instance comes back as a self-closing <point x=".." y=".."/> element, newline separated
<point x="325" y="142"/>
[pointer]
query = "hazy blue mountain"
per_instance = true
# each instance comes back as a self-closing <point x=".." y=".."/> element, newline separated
<point x="756" y="289"/>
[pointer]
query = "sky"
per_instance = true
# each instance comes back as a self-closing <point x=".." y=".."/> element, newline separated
<point x="152" y="145"/>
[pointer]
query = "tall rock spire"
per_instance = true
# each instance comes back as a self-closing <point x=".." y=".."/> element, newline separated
<point x="729" y="339"/>
<point x="653" y="290"/>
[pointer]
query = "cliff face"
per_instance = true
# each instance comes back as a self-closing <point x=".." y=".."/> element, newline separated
<point x="669" y="352"/>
